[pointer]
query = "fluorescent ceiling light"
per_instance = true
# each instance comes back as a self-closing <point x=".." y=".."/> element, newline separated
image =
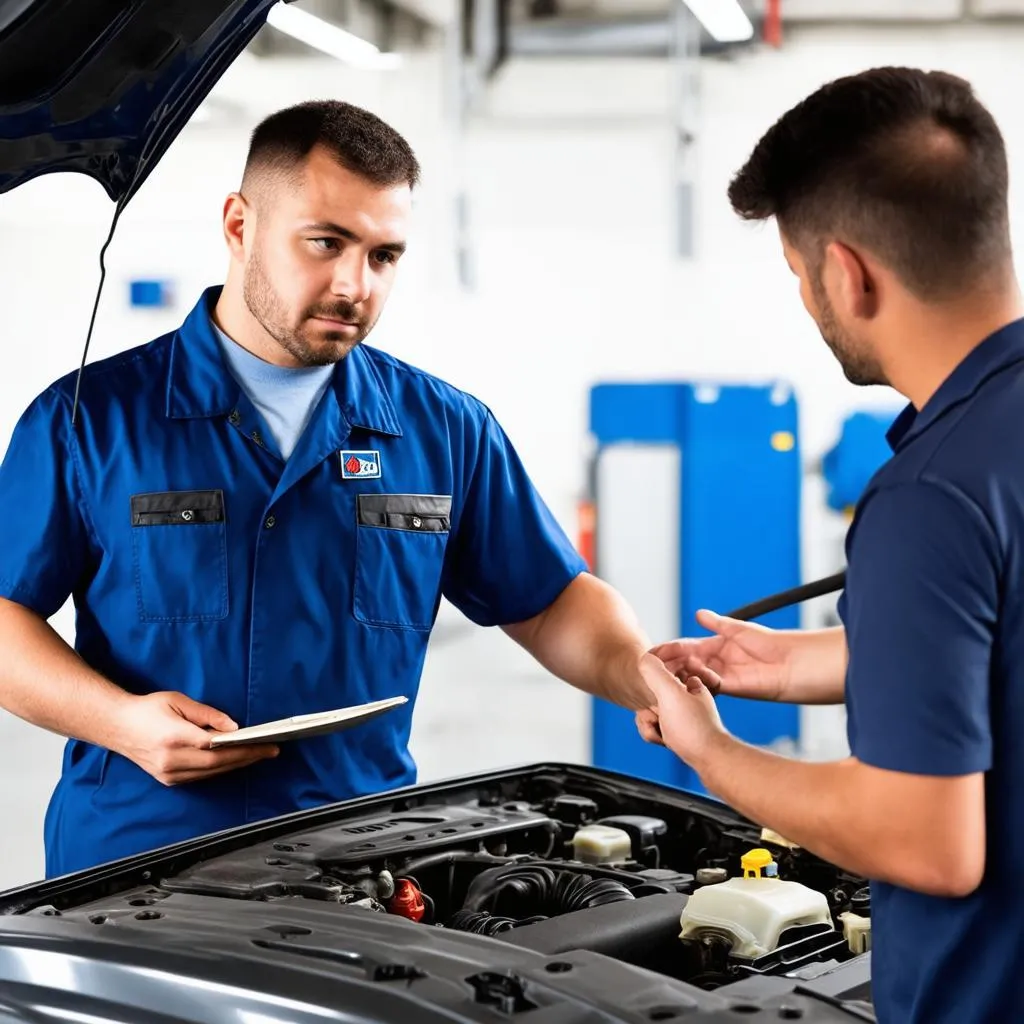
<point x="328" y="38"/>
<point x="725" y="20"/>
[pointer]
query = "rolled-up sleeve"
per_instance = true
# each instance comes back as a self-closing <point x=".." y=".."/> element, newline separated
<point x="920" y="610"/>
<point x="509" y="558"/>
<point x="45" y="541"/>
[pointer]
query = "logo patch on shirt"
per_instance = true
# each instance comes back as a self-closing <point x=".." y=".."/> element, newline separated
<point x="360" y="465"/>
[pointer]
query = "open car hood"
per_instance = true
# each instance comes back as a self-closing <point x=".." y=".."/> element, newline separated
<point x="104" y="86"/>
<point x="556" y="894"/>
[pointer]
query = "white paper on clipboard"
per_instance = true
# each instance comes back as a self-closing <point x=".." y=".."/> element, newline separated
<point x="316" y="724"/>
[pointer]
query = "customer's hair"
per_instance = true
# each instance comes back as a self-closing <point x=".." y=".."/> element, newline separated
<point x="360" y="141"/>
<point x="906" y="163"/>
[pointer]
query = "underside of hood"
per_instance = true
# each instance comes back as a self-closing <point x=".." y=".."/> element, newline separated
<point x="103" y="87"/>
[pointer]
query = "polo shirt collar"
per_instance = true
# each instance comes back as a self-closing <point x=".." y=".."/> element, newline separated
<point x="997" y="352"/>
<point x="200" y="385"/>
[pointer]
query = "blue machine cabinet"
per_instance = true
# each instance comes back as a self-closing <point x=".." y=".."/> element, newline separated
<point x="696" y="489"/>
<point x="862" y="449"/>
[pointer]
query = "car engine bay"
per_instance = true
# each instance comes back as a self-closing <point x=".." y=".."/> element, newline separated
<point x="553" y="861"/>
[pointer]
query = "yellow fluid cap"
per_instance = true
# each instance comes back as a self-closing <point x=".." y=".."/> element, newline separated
<point x="754" y="862"/>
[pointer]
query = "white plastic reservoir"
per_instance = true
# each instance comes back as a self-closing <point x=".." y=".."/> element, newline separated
<point x="753" y="912"/>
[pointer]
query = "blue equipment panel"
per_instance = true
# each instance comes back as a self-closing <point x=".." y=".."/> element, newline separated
<point x="862" y="449"/>
<point x="738" y="533"/>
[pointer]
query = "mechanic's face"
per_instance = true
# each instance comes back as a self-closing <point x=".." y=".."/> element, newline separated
<point x="321" y="263"/>
<point x="848" y="345"/>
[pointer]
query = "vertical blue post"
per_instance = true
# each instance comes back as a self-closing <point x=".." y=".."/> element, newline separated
<point x="739" y="532"/>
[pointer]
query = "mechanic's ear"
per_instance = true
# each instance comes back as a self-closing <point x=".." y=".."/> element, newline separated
<point x="855" y="282"/>
<point x="236" y="210"/>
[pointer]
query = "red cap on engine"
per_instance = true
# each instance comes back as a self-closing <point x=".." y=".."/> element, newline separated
<point x="407" y="901"/>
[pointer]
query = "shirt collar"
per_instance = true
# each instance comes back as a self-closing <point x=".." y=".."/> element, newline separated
<point x="997" y="352"/>
<point x="199" y="384"/>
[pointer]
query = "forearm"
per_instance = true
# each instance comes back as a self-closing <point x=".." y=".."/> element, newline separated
<point x="589" y="637"/>
<point x="806" y="803"/>
<point x="830" y="810"/>
<point x="43" y="681"/>
<point x="817" y="671"/>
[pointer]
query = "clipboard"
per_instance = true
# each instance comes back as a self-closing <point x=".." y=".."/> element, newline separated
<point x="299" y="726"/>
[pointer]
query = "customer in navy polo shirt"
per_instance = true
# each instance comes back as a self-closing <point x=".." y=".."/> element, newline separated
<point x="890" y="193"/>
<point x="257" y="517"/>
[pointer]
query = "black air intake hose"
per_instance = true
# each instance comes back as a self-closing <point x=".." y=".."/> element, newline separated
<point x="522" y="891"/>
<point x="641" y="932"/>
<point x="479" y="922"/>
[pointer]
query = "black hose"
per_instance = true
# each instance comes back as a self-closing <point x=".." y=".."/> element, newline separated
<point x="580" y="892"/>
<point x="444" y="858"/>
<point x="529" y="890"/>
<point x="479" y="922"/>
<point x="785" y="598"/>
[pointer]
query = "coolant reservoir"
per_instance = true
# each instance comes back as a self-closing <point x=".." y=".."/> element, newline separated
<point x="753" y="911"/>
<point x="602" y="844"/>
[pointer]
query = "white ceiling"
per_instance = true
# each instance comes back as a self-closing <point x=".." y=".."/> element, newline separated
<point x="997" y="8"/>
<point x="901" y="10"/>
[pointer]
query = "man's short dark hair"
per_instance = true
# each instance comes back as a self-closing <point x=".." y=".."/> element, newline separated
<point x="360" y="141"/>
<point x="907" y="163"/>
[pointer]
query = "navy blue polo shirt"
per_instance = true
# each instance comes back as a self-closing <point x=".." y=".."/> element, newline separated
<point x="934" y="616"/>
<point x="200" y="562"/>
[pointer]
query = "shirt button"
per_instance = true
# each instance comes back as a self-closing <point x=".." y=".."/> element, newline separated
<point x="257" y="438"/>
<point x="270" y="522"/>
<point x="235" y="418"/>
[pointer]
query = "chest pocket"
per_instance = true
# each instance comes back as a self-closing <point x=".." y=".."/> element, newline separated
<point x="179" y="548"/>
<point x="400" y="546"/>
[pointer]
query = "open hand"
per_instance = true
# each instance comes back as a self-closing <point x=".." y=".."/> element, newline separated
<point x="742" y="659"/>
<point x="167" y="735"/>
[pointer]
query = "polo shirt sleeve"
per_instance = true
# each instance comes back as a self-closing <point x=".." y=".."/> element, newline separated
<point x="508" y="558"/>
<point x="43" y="553"/>
<point x="920" y="608"/>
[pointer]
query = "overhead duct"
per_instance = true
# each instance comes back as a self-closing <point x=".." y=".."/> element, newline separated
<point x="650" y="36"/>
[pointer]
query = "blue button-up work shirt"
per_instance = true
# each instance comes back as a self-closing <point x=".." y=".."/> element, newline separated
<point x="933" y="609"/>
<point x="200" y="562"/>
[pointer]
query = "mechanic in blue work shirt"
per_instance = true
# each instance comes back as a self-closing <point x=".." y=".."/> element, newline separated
<point x="890" y="193"/>
<point x="257" y="516"/>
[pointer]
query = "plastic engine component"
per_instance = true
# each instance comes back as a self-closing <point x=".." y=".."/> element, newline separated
<point x="753" y="912"/>
<point x="600" y="844"/>
<point x="643" y="831"/>
<point x="633" y="931"/>
<point x="857" y="930"/>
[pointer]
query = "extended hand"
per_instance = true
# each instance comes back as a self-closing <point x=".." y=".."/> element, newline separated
<point x="742" y="659"/>
<point x="166" y="735"/>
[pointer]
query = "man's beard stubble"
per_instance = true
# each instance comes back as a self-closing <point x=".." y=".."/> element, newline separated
<point x="858" y="366"/>
<point x="266" y="306"/>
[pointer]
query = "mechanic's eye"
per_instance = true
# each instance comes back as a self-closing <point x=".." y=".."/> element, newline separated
<point x="385" y="257"/>
<point x="325" y="244"/>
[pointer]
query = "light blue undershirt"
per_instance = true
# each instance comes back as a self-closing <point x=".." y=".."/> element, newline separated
<point x="285" y="397"/>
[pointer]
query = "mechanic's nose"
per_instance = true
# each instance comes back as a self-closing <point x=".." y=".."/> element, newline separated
<point x="352" y="278"/>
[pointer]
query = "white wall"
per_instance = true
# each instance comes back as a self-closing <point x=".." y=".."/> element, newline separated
<point x="569" y="164"/>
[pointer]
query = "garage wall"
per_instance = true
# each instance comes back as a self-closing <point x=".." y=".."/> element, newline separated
<point x="570" y="171"/>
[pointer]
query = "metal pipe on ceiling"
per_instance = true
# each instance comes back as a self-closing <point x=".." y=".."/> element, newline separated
<point x="651" y="36"/>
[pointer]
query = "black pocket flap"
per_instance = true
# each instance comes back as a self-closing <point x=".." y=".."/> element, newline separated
<point x="177" y="508"/>
<point x="424" y="513"/>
